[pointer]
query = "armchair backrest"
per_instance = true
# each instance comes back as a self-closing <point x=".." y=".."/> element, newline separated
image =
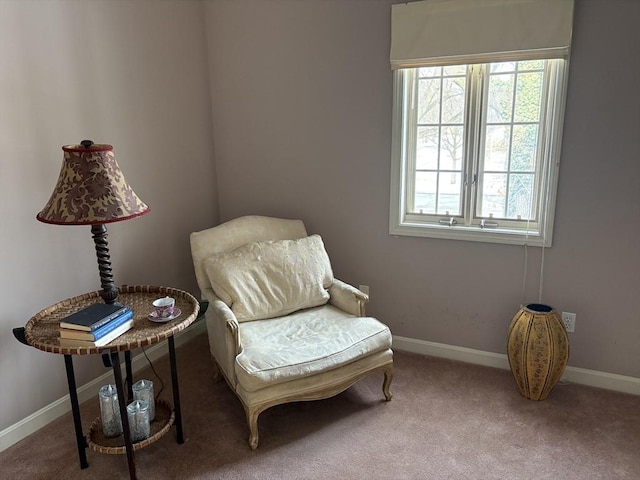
<point x="237" y="232"/>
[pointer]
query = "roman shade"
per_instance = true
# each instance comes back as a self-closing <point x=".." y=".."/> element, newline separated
<point x="455" y="32"/>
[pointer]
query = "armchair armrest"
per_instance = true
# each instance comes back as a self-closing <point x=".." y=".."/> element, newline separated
<point x="347" y="298"/>
<point x="222" y="327"/>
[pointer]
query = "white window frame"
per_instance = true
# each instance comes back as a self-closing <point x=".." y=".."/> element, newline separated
<point x="467" y="226"/>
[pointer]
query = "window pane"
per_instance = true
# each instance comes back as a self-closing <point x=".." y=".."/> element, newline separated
<point x="440" y="140"/>
<point x="531" y="65"/>
<point x="449" y="193"/>
<point x="500" y="98"/>
<point x="494" y="195"/>
<point x="528" y="91"/>
<point x="427" y="148"/>
<point x="430" y="72"/>
<point x="452" y="143"/>
<point x="425" y="192"/>
<point x="520" y="191"/>
<point x="455" y="70"/>
<point x="496" y="151"/>
<point x="429" y="101"/>
<point x="510" y="154"/>
<point x="503" y="67"/>
<point x="524" y="147"/>
<point x="453" y="100"/>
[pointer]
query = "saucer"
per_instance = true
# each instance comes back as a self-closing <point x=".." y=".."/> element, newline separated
<point x="153" y="316"/>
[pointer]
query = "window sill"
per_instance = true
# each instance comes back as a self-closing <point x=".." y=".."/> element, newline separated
<point x="471" y="234"/>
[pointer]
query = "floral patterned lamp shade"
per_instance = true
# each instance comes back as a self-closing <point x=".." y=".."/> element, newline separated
<point x="92" y="190"/>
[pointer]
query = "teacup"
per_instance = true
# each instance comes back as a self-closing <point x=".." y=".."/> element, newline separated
<point x="164" y="307"/>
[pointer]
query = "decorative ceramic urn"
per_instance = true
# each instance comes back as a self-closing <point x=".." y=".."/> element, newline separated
<point x="538" y="350"/>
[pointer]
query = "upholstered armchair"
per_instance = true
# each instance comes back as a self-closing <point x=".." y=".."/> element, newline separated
<point x="281" y="327"/>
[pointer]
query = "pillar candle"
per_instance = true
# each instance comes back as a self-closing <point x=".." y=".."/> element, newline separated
<point x="110" y="411"/>
<point x="143" y="390"/>
<point x="138" y="415"/>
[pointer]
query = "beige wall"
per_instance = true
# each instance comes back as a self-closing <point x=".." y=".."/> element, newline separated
<point x="302" y="124"/>
<point x="131" y="74"/>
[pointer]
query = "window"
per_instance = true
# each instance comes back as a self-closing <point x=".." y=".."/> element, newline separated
<point x="476" y="143"/>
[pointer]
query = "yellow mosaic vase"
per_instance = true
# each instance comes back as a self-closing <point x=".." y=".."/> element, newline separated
<point x="538" y="350"/>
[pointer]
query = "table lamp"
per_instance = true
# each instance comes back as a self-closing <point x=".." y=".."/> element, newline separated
<point x="92" y="190"/>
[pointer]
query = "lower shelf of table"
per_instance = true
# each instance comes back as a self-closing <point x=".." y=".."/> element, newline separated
<point x="165" y="416"/>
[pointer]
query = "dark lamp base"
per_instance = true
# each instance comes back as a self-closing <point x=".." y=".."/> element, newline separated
<point x="109" y="291"/>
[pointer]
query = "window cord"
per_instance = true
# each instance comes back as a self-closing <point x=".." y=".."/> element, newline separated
<point x="157" y="395"/>
<point x="541" y="276"/>
<point x="526" y="254"/>
<point x="524" y="275"/>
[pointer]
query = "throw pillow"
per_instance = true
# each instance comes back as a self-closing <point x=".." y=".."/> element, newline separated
<point x="271" y="279"/>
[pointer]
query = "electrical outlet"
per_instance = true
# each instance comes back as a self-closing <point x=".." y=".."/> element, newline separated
<point x="569" y="320"/>
<point x="364" y="289"/>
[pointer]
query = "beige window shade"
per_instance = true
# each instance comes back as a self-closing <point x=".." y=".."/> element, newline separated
<point x="450" y="32"/>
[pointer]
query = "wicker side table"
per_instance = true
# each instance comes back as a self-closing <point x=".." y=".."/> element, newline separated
<point x="42" y="332"/>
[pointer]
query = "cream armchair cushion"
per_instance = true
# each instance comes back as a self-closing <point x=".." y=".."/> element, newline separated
<point x="305" y="343"/>
<point x="281" y="327"/>
<point x="272" y="278"/>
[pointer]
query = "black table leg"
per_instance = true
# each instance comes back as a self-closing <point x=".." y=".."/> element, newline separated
<point x="75" y="410"/>
<point x="128" y="369"/>
<point x="126" y="429"/>
<point x="176" y="392"/>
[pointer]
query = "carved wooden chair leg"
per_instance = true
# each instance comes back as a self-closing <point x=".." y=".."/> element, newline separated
<point x="252" y="421"/>
<point x="386" y="384"/>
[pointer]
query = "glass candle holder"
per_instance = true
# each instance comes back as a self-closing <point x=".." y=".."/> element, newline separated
<point x="138" y="415"/>
<point x="110" y="411"/>
<point x="143" y="390"/>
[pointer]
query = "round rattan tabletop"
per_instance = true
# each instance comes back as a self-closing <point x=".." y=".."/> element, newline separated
<point x="42" y="331"/>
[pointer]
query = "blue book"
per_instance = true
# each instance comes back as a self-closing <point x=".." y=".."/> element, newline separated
<point x="99" y="332"/>
<point x="93" y="317"/>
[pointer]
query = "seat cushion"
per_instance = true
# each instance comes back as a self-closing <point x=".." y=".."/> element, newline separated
<point x="273" y="278"/>
<point x="305" y="343"/>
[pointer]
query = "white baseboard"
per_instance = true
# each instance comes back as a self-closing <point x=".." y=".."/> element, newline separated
<point x="592" y="378"/>
<point x="16" y="432"/>
<point x="13" y="434"/>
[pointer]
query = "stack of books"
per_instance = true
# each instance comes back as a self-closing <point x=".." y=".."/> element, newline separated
<point x="96" y="325"/>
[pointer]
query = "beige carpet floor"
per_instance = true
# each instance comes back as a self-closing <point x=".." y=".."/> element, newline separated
<point x="447" y="420"/>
